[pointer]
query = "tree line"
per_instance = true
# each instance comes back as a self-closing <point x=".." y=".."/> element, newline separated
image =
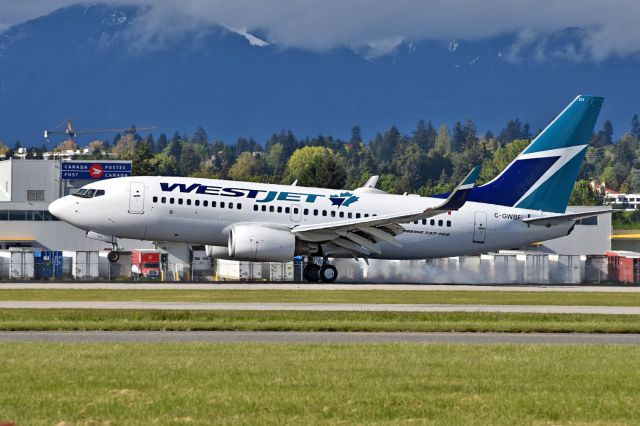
<point x="426" y="161"/>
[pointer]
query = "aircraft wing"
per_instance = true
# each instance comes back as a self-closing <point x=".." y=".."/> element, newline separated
<point x="360" y="235"/>
<point x="562" y="218"/>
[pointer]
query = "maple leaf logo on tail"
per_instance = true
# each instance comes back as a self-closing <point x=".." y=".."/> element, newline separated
<point x="343" y="199"/>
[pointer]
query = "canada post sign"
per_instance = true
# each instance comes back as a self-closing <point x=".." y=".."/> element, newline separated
<point x="94" y="170"/>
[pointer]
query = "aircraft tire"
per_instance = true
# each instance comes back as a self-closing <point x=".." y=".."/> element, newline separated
<point x="113" y="256"/>
<point x="328" y="273"/>
<point x="311" y="273"/>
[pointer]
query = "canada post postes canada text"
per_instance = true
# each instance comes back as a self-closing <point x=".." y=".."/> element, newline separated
<point x="260" y="195"/>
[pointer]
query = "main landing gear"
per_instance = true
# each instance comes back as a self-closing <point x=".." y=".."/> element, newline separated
<point x="113" y="255"/>
<point x="313" y="272"/>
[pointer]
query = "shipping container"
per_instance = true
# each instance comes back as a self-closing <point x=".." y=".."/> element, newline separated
<point x="279" y="271"/>
<point x="114" y="270"/>
<point x="238" y="270"/>
<point x="85" y="265"/>
<point x="16" y="264"/>
<point x="48" y="264"/>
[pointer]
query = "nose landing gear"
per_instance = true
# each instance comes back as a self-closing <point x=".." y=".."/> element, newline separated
<point x="313" y="272"/>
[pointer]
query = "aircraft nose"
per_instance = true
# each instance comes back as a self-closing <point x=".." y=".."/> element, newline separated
<point x="61" y="208"/>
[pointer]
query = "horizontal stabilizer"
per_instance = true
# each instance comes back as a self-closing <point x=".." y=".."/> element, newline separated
<point x="562" y="218"/>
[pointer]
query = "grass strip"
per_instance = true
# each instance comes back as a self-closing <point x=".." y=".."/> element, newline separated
<point x="136" y="384"/>
<point x="332" y="296"/>
<point x="115" y="320"/>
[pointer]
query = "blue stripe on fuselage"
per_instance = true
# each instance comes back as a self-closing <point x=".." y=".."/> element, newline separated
<point x="512" y="184"/>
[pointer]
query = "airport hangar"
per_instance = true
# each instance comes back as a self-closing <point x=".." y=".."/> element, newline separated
<point x="28" y="186"/>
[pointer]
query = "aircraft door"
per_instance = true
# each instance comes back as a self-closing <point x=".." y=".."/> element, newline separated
<point x="479" y="227"/>
<point x="136" y="198"/>
<point x="296" y="213"/>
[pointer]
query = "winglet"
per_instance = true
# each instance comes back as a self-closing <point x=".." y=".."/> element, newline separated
<point x="458" y="197"/>
<point x="371" y="182"/>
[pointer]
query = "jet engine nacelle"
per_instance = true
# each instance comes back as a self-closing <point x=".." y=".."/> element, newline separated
<point x="218" y="252"/>
<point x="259" y="243"/>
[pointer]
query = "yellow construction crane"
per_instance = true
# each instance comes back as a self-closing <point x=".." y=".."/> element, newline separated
<point x="72" y="133"/>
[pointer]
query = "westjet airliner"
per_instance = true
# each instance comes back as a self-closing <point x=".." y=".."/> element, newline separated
<point x="526" y="203"/>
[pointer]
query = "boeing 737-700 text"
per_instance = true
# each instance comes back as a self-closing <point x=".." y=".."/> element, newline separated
<point x="526" y="203"/>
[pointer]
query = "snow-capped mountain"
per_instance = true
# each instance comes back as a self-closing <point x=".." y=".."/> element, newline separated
<point x="87" y="63"/>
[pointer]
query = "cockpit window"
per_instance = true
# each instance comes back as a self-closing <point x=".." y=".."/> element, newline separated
<point x="88" y="193"/>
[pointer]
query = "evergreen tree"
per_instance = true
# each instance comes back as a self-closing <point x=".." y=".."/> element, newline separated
<point x="635" y="126"/>
<point x="162" y="143"/>
<point x="142" y="159"/>
<point x="356" y="135"/>
<point x="470" y="133"/>
<point x="200" y="137"/>
<point x="459" y="136"/>
<point x="151" y="142"/>
<point x="443" y="144"/>
<point x="188" y="161"/>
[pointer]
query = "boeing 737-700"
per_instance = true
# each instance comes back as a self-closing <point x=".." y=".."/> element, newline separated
<point x="525" y="203"/>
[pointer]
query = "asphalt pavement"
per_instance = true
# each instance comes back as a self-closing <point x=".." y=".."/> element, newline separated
<point x="330" y="307"/>
<point x="315" y="337"/>
<point x="100" y="285"/>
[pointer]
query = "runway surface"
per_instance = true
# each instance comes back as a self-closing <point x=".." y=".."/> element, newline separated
<point x="342" y="307"/>
<point x="314" y="337"/>
<point x="292" y="286"/>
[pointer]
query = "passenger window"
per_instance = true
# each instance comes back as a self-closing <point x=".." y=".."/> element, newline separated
<point x="333" y="213"/>
<point x="306" y="212"/>
<point x="279" y="209"/>
<point x="424" y="221"/>
<point x="239" y="206"/>
<point x="213" y="204"/>
<point x="205" y="203"/>
<point x="432" y="222"/>
<point x="349" y="215"/>
<point x="255" y="208"/>
<point x="271" y="209"/>
<point x="163" y="200"/>
<point x="358" y="216"/>
<point x="440" y="222"/>
<point x="197" y="202"/>
<point x="222" y="204"/>
<point x="448" y="224"/>
<point x="230" y="205"/>
<point x="366" y="215"/>
<point x="315" y="212"/>
<point x="341" y="214"/>
<point x="155" y="199"/>
<point x="295" y="210"/>
<point x="188" y="201"/>
<point x="171" y="200"/>
<point x="324" y="212"/>
<point x="180" y="201"/>
<point x="287" y="210"/>
<point x="264" y="208"/>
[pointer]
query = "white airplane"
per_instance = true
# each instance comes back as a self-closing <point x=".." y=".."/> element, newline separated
<point x="526" y="203"/>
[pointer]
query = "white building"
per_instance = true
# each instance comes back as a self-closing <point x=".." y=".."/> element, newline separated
<point x="26" y="189"/>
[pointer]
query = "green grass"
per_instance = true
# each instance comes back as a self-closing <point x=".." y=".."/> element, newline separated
<point x="303" y="384"/>
<point x="63" y="319"/>
<point x="333" y="296"/>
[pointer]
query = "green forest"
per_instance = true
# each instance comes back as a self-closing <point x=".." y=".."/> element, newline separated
<point x="427" y="160"/>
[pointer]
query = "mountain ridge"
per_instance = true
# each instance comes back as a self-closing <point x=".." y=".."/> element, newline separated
<point x="85" y="62"/>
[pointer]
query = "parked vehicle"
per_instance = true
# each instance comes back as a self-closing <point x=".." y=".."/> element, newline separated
<point x="145" y="264"/>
